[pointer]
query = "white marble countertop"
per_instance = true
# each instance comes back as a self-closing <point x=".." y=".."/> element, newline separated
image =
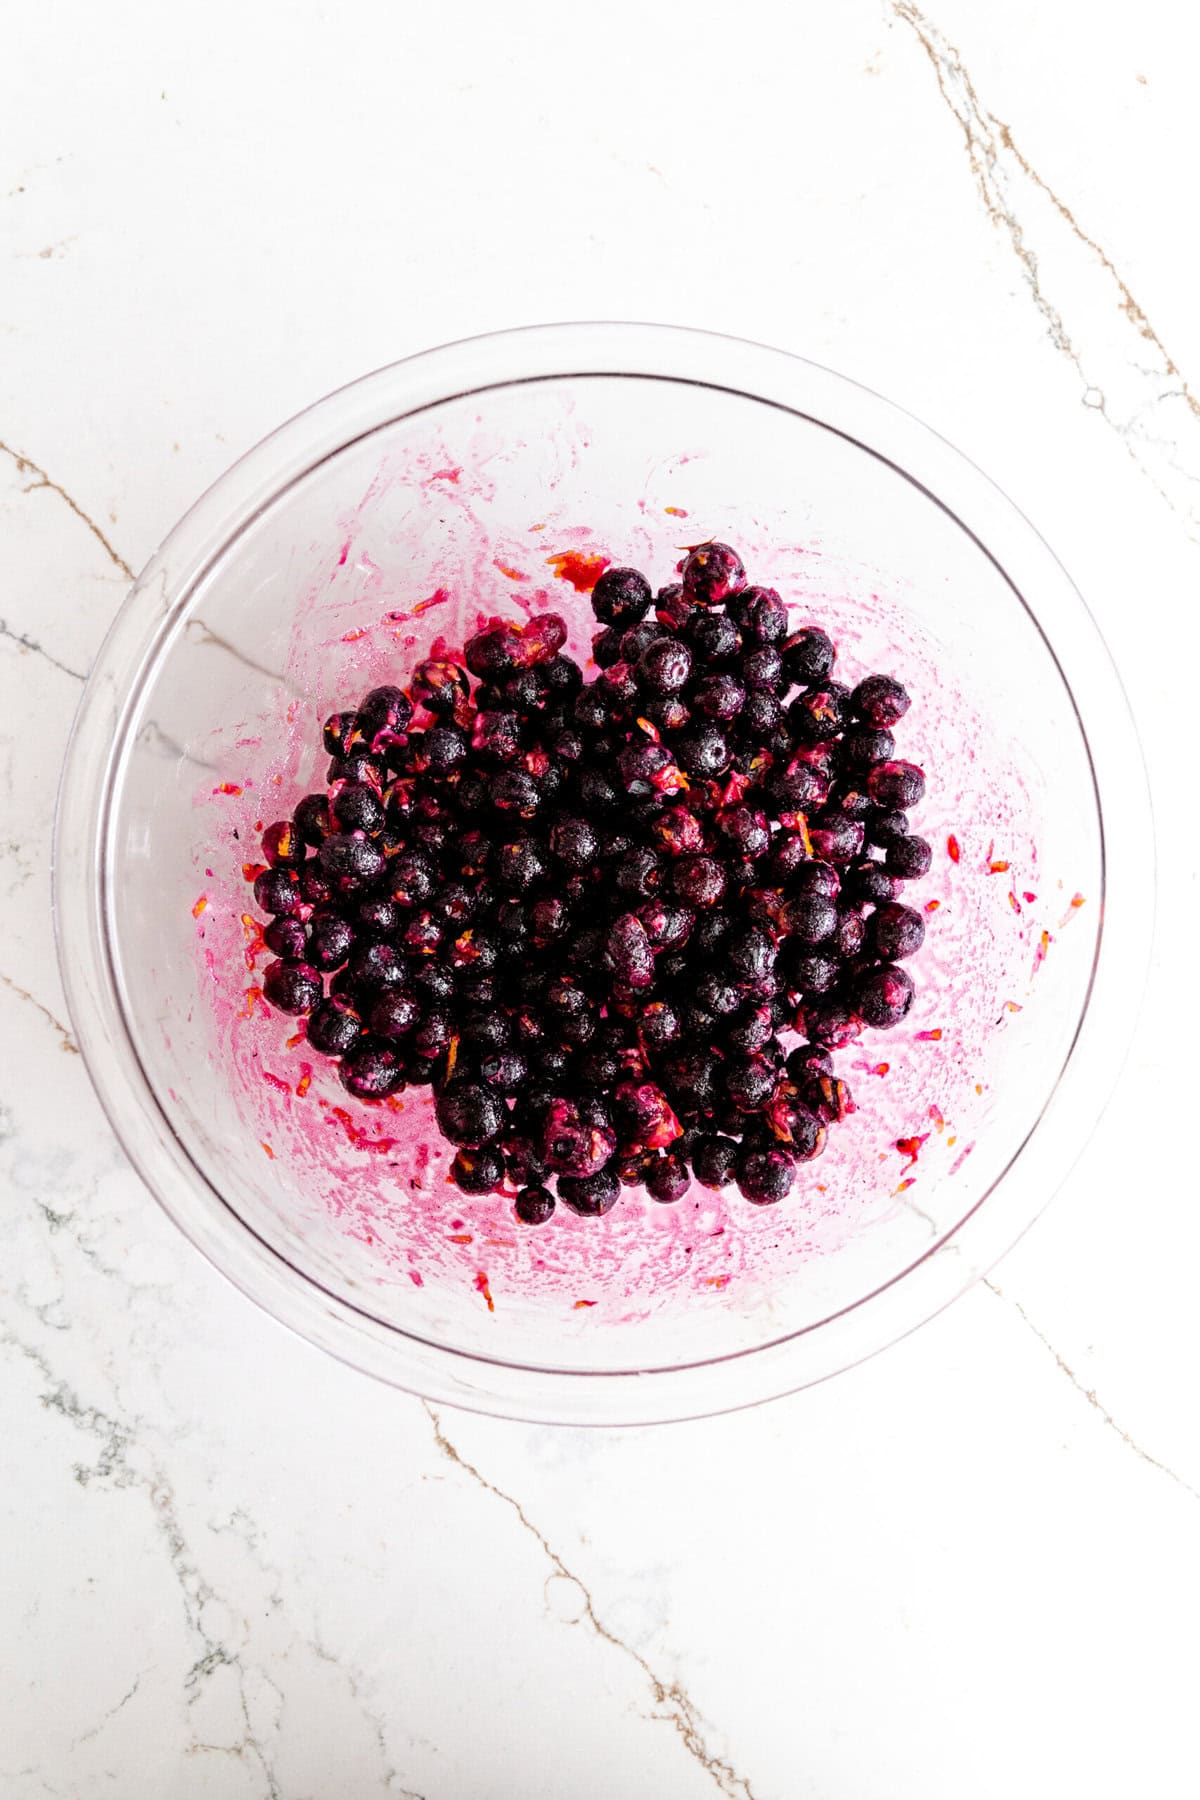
<point x="970" y="1568"/>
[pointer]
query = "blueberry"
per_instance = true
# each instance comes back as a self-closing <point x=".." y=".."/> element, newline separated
<point x="666" y="926"/>
<point x="908" y="858"/>
<point x="896" y="784"/>
<point x="432" y="1036"/>
<point x="880" y="701"/>
<point x="882" y="996"/>
<point x="714" y="1160"/>
<point x="342" y="730"/>
<point x="590" y="1196"/>
<point x="667" y="1179"/>
<point x="750" y="955"/>
<point x="762" y="669"/>
<point x="718" y="996"/>
<point x="868" y="882"/>
<point x="808" y="1061"/>
<point x="359" y="765"/>
<point x="596" y="792"/>
<point x="886" y="828"/>
<point x="413" y="877"/>
<point x="282" y="845"/>
<point x="288" y="938"/>
<point x="349" y="861"/>
<point x="698" y="881"/>
<point x="293" y="987"/>
<point x="330" y="942"/>
<point x="765" y="1176"/>
<point x="494" y="652"/>
<point x="515" y="791"/>
<point x="745" y="830"/>
<point x="278" y="891"/>
<point x="718" y="696"/>
<point x="357" y="808"/>
<point x="714" y="637"/>
<point x="796" y="790"/>
<point x="712" y="573"/>
<point x="646" y="768"/>
<point x="704" y="752"/>
<point x="658" y="1025"/>
<point x="378" y="916"/>
<point x="534" y="1205"/>
<point x="440" y="685"/>
<point x="830" y="1023"/>
<point x="621" y="596"/>
<point x="371" y="1071"/>
<point x="814" y="972"/>
<point x="385" y="710"/>
<point x="762" y="615"/>
<point x="818" y="715"/>
<point x="808" y="655"/>
<point x="761" y="721"/>
<point x="374" y="966"/>
<point x="794" y="1125"/>
<point x="896" y="932"/>
<point x="638" y="874"/>
<point x="312" y="819"/>
<point x="664" y="666"/>
<point x="562" y="676"/>
<point x="395" y="1014"/>
<point x="619" y="686"/>
<point x="519" y="865"/>
<point x="477" y="1171"/>
<point x="851" y="932"/>
<point x="810" y="918"/>
<point x="334" y="1026"/>
<point x="750" y="1082"/>
<point x="751" y="1030"/>
<point x="468" y="1114"/>
<point x="628" y="953"/>
<point x="866" y="744"/>
<point x="691" y="1073"/>
<point x="835" y="838"/>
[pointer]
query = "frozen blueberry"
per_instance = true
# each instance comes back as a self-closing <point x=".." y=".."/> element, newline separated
<point x="896" y="932"/>
<point x="908" y="858"/>
<point x="534" y="1205"/>
<point x="880" y="701"/>
<point x="278" y="891"/>
<point x="664" y="666"/>
<point x="896" y="784"/>
<point x="714" y="1160"/>
<point x="882" y="996"/>
<point x="350" y="861"/>
<point x="477" y="1171"/>
<point x="469" y="1114"/>
<point x="371" y="1071"/>
<point x="293" y="987"/>
<point x="712" y="573"/>
<point x="288" y="938"/>
<point x="808" y="655"/>
<point x="765" y="1176"/>
<point x="621" y="597"/>
<point x="334" y="1026"/>
<point x="667" y="1179"/>
<point x="395" y="1014"/>
<point x="591" y="1196"/>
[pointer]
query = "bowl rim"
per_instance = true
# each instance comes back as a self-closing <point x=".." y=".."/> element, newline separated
<point x="81" y="888"/>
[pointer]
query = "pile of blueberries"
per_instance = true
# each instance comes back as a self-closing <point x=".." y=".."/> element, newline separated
<point x="586" y="912"/>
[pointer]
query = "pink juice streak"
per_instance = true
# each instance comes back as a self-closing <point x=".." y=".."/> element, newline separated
<point x="377" y="1175"/>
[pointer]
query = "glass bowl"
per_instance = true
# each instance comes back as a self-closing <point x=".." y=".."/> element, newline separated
<point x="487" y="477"/>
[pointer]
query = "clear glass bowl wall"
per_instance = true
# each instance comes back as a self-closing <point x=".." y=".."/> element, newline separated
<point x="388" y="519"/>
